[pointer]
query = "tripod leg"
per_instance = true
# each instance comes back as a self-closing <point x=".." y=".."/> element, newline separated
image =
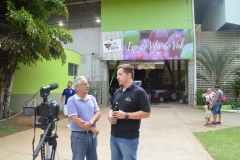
<point x="49" y="150"/>
<point x="43" y="152"/>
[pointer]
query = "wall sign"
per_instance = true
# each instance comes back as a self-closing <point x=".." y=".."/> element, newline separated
<point x="113" y="45"/>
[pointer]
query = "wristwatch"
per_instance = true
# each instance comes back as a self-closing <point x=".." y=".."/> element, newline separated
<point x="91" y="122"/>
<point x="126" y="116"/>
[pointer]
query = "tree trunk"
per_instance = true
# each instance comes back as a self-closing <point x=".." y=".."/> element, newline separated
<point x="6" y="82"/>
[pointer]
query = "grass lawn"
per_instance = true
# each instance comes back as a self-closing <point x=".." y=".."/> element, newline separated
<point x="14" y="125"/>
<point x="223" y="107"/>
<point x="222" y="144"/>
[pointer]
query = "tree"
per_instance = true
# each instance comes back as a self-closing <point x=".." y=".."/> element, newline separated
<point x="236" y="87"/>
<point x="26" y="37"/>
<point x="217" y="65"/>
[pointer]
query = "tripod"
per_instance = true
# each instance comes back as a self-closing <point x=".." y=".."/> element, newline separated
<point x="47" y="143"/>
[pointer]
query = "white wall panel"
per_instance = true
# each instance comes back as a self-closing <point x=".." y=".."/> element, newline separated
<point x="86" y="42"/>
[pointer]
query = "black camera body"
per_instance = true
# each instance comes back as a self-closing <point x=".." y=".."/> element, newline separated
<point x="44" y="109"/>
<point x="48" y="110"/>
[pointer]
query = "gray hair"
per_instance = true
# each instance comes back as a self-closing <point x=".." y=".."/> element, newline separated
<point x="77" y="80"/>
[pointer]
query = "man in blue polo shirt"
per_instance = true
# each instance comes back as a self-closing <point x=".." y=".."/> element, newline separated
<point x="133" y="106"/>
<point x="84" y="113"/>
<point x="67" y="92"/>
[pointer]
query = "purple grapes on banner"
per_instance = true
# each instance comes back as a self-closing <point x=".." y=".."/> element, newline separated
<point x="158" y="44"/>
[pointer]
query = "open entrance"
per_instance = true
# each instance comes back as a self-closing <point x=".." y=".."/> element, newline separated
<point x="167" y="79"/>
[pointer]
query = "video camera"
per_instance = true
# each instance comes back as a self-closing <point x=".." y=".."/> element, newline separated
<point x="46" y="108"/>
<point x="48" y="111"/>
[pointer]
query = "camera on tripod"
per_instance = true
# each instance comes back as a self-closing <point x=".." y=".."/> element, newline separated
<point x="48" y="111"/>
<point x="46" y="108"/>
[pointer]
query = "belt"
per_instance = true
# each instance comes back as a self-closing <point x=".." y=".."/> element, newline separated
<point x="83" y="132"/>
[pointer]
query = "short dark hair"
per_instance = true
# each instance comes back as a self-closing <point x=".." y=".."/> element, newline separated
<point x="70" y="82"/>
<point x="127" y="68"/>
<point x="217" y="86"/>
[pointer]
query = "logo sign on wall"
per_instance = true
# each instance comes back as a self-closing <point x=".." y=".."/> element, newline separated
<point x="158" y="44"/>
<point x="113" y="45"/>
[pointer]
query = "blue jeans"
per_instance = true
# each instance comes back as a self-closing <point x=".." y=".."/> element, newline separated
<point x="83" y="145"/>
<point x="123" y="149"/>
<point x="217" y="108"/>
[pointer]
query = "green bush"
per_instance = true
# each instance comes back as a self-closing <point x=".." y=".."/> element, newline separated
<point x="229" y="101"/>
<point x="236" y="87"/>
<point x="200" y="100"/>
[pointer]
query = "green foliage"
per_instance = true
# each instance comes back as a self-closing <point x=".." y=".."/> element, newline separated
<point x="182" y="79"/>
<point x="26" y="37"/>
<point x="199" y="107"/>
<point x="236" y="87"/>
<point x="221" y="144"/>
<point x="229" y="101"/>
<point x="216" y="65"/>
<point x="9" y="111"/>
<point x="93" y="86"/>
<point x="27" y="34"/>
<point x="200" y="100"/>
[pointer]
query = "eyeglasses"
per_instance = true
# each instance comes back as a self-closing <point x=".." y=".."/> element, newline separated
<point x="84" y="84"/>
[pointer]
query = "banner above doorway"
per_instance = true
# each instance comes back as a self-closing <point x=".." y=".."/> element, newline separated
<point x="158" y="44"/>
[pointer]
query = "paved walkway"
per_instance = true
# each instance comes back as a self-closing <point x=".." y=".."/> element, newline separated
<point x="166" y="135"/>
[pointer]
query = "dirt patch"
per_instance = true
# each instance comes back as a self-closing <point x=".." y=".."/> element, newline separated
<point x="27" y="120"/>
<point x="18" y="123"/>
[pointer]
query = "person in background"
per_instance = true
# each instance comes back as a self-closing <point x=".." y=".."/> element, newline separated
<point x="95" y="92"/>
<point x="67" y="92"/>
<point x="111" y="94"/>
<point x="84" y="112"/>
<point x="207" y="111"/>
<point x="149" y="93"/>
<point x="209" y="95"/>
<point x="217" y="105"/>
<point x="133" y="105"/>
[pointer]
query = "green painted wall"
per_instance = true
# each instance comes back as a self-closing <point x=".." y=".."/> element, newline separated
<point x="28" y="80"/>
<point x="121" y="15"/>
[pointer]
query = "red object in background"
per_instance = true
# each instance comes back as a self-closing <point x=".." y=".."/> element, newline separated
<point x="164" y="95"/>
